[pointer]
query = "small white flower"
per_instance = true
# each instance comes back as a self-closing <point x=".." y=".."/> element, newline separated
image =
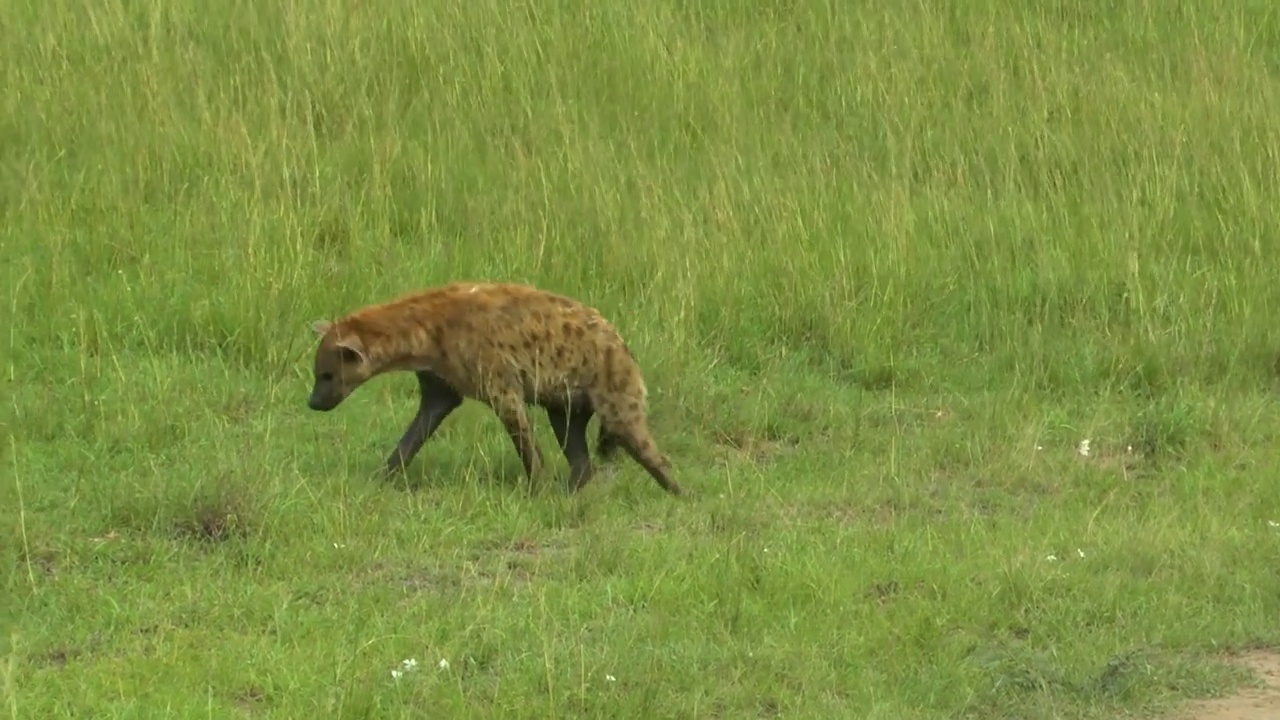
<point x="1083" y="449"/>
<point x="1273" y="523"/>
<point x="406" y="665"/>
<point x="1079" y="552"/>
<point x="443" y="664"/>
<point x="1051" y="558"/>
<point x="610" y="678"/>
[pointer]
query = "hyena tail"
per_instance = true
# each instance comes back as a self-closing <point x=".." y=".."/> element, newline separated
<point x="639" y="444"/>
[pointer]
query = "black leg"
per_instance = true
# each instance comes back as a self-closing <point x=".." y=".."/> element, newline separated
<point x="608" y="444"/>
<point x="571" y="432"/>
<point x="436" y="401"/>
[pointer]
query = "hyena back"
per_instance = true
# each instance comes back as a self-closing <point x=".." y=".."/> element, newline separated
<point x="509" y="346"/>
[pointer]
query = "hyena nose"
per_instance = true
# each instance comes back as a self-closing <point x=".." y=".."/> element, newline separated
<point x="316" y="403"/>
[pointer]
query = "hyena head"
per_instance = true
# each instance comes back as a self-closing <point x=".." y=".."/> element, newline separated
<point x="341" y="366"/>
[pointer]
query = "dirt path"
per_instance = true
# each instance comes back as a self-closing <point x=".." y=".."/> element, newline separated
<point x="1248" y="704"/>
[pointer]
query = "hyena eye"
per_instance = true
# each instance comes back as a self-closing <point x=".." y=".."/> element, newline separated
<point x="325" y="377"/>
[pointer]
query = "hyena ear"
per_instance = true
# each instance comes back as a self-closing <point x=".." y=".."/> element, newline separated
<point x="321" y="326"/>
<point x="352" y="349"/>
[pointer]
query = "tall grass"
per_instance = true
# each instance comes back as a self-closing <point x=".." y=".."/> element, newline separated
<point x="871" y="256"/>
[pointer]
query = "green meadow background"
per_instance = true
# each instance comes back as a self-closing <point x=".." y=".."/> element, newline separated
<point x="886" y="267"/>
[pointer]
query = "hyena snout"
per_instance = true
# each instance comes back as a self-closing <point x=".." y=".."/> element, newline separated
<point x="325" y="398"/>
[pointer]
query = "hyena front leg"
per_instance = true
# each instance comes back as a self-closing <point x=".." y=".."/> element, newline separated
<point x="570" y="425"/>
<point x="436" y="400"/>
<point x="510" y="409"/>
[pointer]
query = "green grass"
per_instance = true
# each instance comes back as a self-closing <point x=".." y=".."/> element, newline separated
<point x="885" y="267"/>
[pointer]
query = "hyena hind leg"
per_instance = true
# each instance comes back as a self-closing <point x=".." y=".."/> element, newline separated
<point x="607" y="444"/>
<point x="570" y="426"/>
<point x="510" y="409"/>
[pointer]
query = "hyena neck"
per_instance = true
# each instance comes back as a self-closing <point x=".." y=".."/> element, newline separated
<point x="403" y="346"/>
<point x="418" y="351"/>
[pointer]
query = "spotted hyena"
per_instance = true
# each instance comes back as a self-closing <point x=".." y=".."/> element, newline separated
<point x="506" y="345"/>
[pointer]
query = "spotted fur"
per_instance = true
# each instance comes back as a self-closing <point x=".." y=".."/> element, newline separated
<point x="509" y="346"/>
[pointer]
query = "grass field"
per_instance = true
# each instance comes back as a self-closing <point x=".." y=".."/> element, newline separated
<point x="885" y="267"/>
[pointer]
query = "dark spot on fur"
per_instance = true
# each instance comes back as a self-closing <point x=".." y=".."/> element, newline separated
<point x="607" y="367"/>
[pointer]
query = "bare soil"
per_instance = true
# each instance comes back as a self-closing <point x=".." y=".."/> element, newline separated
<point x="1253" y="703"/>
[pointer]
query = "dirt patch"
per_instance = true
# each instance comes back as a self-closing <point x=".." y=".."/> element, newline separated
<point x="758" y="448"/>
<point x="217" y="517"/>
<point x="251" y="699"/>
<point x="1252" y="703"/>
<point x="43" y="561"/>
